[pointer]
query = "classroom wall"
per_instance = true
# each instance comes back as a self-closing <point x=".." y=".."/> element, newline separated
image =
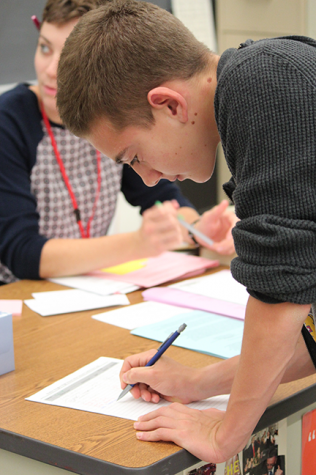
<point x="18" y="38"/>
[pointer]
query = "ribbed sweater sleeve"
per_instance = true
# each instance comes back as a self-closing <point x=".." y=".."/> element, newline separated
<point x="265" y="109"/>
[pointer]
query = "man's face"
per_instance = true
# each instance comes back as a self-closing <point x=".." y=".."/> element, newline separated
<point x="271" y="462"/>
<point x="168" y="149"/>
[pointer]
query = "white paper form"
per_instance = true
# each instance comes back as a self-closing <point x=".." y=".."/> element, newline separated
<point x="96" y="387"/>
<point x="67" y="301"/>
<point x="140" y="314"/>
<point x="221" y="286"/>
<point x="94" y="284"/>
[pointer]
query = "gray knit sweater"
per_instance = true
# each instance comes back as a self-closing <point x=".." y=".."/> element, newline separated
<point x="265" y="107"/>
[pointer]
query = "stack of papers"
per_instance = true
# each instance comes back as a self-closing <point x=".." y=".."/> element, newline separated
<point x="218" y="293"/>
<point x="66" y="301"/>
<point x="95" y="284"/>
<point x="132" y="275"/>
<point x="140" y="314"/>
<point x="158" y="270"/>
<point x="96" y="387"/>
<point x="220" y="286"/>
<point x="208" y="333"/>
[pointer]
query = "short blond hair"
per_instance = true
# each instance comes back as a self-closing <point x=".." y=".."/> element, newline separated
<point x="114" y="56"/>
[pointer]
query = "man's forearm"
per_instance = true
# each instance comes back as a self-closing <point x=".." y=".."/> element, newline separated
<point x="301" y="365"/>
<point x="218" y="378"/>
<point x="270" y="340"/>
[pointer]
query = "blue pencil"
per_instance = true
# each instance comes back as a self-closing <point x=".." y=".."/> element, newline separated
<point x="162" y="348"/>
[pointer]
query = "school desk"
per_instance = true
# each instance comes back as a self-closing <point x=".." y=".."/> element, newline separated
<point x="49" y="348"/>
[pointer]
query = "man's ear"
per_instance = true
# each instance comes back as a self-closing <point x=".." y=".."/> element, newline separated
<point x="174" y="103"/>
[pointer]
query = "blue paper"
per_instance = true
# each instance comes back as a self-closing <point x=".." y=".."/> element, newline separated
<point x="206" y="332"/>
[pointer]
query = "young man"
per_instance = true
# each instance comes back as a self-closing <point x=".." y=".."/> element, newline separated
<point x="137" y="84"/>
<point x="47" y="173"/>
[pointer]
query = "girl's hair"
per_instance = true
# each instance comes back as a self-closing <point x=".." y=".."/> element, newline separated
<point x="62" y="11"/>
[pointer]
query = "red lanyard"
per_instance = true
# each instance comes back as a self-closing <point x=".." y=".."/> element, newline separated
<point x="84" y="233"/>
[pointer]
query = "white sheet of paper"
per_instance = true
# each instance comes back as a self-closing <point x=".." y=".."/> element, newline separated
<point x="96" y="387"/>
<point x="66" y="301"/>
<point x="220" y="285"/>
<point x="140" y="314"/>
<point x="94" y="284"/>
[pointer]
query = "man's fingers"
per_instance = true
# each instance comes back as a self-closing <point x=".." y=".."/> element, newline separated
<point x="156" y="435"/>
<point x="173" y="410"/>
<point x="138" y="375"/>
<point x="153" y="424"/>
<point x="136" y="361"/>
<point x="139" y="361"/>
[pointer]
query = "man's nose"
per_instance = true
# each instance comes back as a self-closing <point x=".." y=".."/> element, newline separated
<point x="149" y="176"/>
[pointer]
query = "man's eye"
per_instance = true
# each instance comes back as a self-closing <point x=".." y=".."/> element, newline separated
<point x="135" y="160"/>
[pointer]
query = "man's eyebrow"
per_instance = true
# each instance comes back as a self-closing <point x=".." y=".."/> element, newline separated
<point x="119" y="157"/>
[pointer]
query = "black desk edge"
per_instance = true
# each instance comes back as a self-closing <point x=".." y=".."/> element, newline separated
<point x="288" y="406"/>
<point x="85" y="465"/>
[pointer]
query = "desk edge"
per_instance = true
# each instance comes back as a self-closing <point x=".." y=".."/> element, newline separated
<point x="288" y="406"/>
<point x="83" y="464"/>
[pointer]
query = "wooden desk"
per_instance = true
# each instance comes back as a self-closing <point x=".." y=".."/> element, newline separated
<point x="48" y="349"/>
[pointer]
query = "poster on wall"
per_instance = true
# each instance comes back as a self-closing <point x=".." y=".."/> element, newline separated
<point x="207" y="469"/>
<point x="261" y="455"/>
<point x="232" y="466"/>
<point x="309" y="443"/>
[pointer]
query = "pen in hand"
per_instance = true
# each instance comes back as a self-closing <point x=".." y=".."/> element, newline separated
<point x="194" y="231"/>
<point x="162" y="348"/>
<point x="191" y="228"/>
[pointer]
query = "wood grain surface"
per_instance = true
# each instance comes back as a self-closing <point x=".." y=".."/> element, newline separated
<point x="50" y="348"/>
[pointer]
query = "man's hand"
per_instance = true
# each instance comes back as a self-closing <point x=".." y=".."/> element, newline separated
<point x="166" y="379"/>
<point x="191" y="429"/>
<point x="279" y="471"/>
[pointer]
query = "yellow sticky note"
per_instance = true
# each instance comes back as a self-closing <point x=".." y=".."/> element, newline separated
<point x="127" y="267"/>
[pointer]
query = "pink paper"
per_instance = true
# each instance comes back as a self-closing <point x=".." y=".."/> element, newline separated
<point x="11" y="306"/>
<point x="164" y="268"/>
<point x="194" y="301"/>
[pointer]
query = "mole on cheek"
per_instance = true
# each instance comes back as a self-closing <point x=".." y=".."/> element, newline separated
<point x="195" y="113"/>
<point x="192" y="122"/>
<point x="209" y="79"/>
